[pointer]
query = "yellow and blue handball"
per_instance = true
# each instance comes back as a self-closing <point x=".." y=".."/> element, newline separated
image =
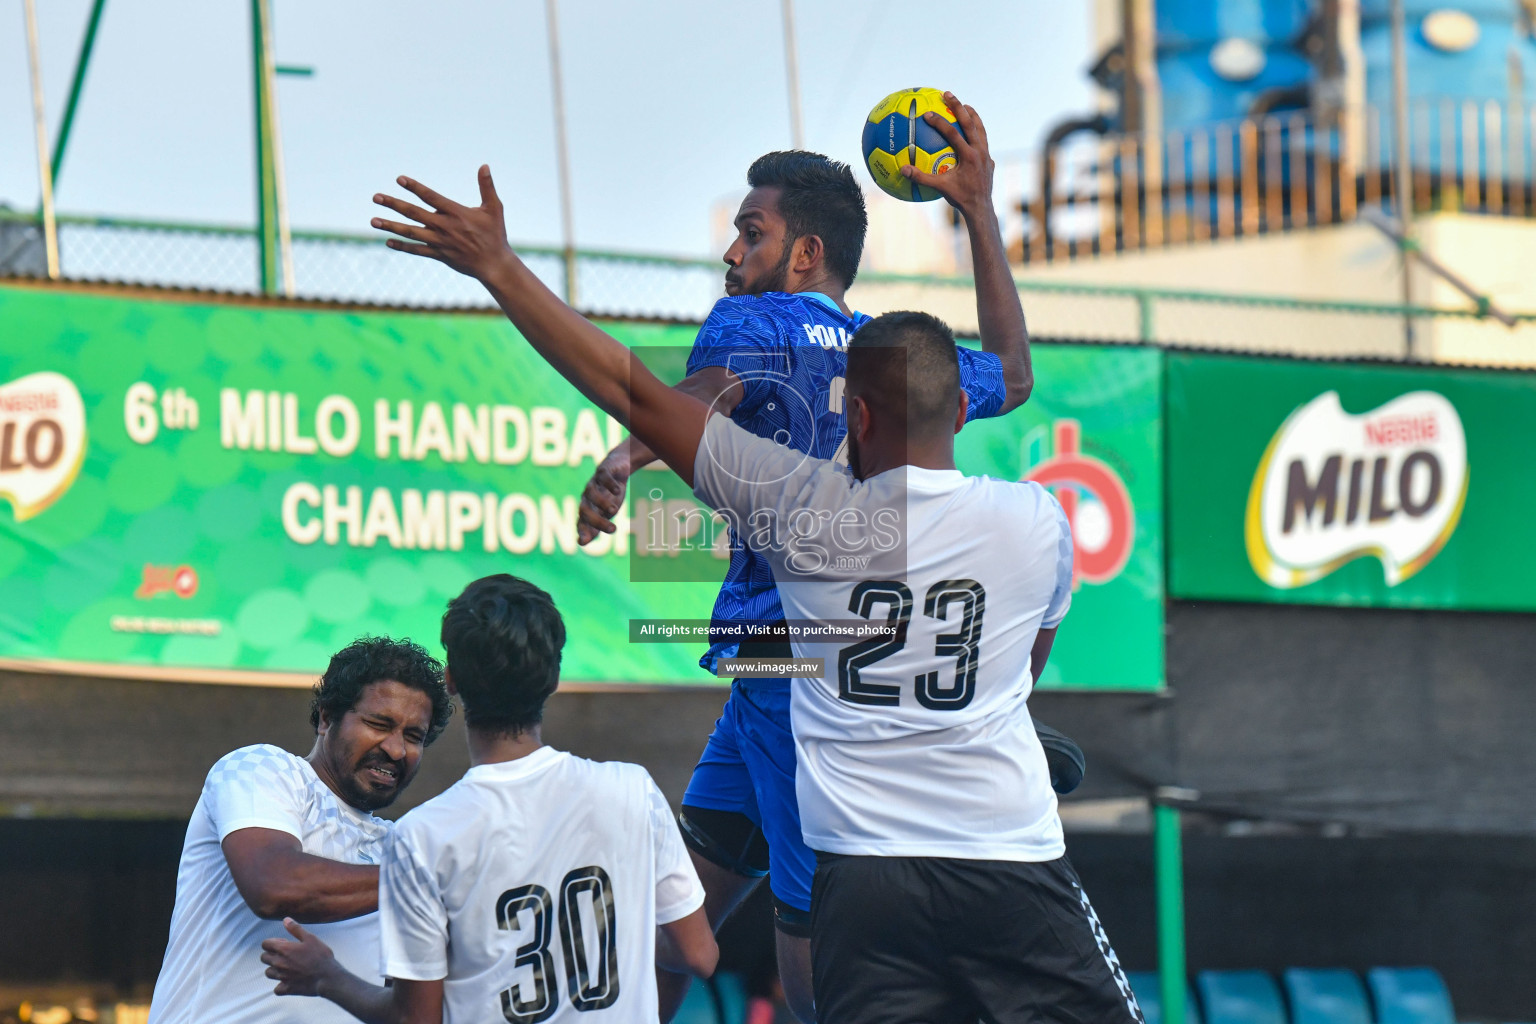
<point x="895" y="135"/>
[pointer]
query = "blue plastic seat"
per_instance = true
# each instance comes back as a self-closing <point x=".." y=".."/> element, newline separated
<point x="1149" y="994"/>
<point x="1326" y="996"/>
<point x="1410" y="995"/>
<point x="1240" y="997"/>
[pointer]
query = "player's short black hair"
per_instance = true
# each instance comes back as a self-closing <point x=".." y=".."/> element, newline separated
<point x="907" y="364"/>
<point x="371" y="659"/>
<point x="503" y="636"/>
<point x="820" y="197"/>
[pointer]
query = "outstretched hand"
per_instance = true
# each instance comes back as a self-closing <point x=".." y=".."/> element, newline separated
<point x="968" y="187"/>
<point x="602" y="499"/>
<point x="470" y="239"/>
<point x="300" y="965"/>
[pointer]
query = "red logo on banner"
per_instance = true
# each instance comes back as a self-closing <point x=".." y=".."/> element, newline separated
<point x="180" y="580"/>
<point x="1096" y="503"/>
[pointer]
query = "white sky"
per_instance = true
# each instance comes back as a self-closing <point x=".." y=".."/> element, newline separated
<point x="667" y="101"/>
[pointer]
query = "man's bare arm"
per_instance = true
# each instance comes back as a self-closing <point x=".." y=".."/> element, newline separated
<point x="473" y="241"/>
<point x="1040" y="653"/>
<point x="277" y="879"/>
<point x="604" y="494"/>
<point x="968" y="187"/>
<point x="305" y="966"/>
<point x="687" y="946"/>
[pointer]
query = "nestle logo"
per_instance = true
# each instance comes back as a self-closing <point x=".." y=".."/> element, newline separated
<point x="180" y="580"/>
<point x="1394" y="430"/>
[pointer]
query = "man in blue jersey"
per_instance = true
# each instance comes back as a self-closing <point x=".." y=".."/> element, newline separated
<point x="772" y="356"/>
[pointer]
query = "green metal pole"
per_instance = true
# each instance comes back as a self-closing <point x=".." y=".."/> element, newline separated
<point x="266" y="223"/>
<point x="82" y="63"/>
<point x="1169" y="859"/>
<point x="1146" y="328"/>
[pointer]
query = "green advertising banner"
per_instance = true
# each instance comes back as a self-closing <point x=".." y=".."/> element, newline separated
<point x="1323" y="483"/>
<point x="1092" y="433"/>
<point x="230" y="487"/>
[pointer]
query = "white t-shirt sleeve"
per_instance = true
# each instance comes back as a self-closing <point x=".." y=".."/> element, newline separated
<point x="678" y="890"/>
<point x="413" y="923"/>
<point x="741" y="474"/>
<point x="1061" y="596"/>
<point x="257" y="787"/>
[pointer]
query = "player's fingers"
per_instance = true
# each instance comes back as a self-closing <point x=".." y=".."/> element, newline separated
<point x="975" y="131"/>
<point x="488" y="197"/>
<point x="295" y="929"/>
<point x="946" y="128"/>
<point x="400" y="206"/>
<point x="933" y="181"/>
<point x="609" y="499"/>
<point x="427" y="195"/>
<point x="414" y="232"/>
<point x="595" y="516"/>
<point x="415" y="250"/>
<point x="962" y="112"/>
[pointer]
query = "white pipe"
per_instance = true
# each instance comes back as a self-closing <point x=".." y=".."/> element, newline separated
<point x="279" y="177"/>
<point x="562" y="156"/>
<point x="792" y="75"/>
<point x="40" y="121"/>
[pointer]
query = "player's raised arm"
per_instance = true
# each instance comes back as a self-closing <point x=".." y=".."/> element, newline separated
<point x="473" y="241"/>
<point x="968" y="188"/>
<point x="603" y="496"/>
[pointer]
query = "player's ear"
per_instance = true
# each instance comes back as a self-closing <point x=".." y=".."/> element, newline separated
<point x="453" y="691"/>
<point x="858" y="417"/>
<point x="965" y="404"/>
<point x="808" y="252"/>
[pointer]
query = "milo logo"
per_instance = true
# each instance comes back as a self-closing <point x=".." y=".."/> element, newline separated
<point x="1334" y="486"/>
<point x="42" y="441"/>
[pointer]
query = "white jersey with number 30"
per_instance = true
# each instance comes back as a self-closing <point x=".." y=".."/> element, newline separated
<point x="534" y="887"/>
<point x="916" y="742"/>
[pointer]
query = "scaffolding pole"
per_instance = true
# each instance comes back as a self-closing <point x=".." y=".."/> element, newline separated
<point x="275" y="158"/>
<point x="266" y="189"/>
<point x="792" y="76"/>
<point x="562" y="156"/>
<point x="40" y="123"/>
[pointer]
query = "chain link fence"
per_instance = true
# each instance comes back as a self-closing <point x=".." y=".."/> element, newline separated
<point x="359" y="269"/>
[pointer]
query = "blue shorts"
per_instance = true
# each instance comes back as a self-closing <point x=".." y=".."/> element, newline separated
<point x="748" y="766"/>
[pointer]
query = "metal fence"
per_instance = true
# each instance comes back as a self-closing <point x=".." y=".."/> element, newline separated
<point x="1281" y="172"/>
<point x="350" y="268"/>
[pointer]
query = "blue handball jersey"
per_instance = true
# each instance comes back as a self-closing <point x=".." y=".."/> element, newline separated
<point x="790" y="354"/>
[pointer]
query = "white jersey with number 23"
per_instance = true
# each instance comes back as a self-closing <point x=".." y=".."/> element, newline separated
<point x="916" y="742"/>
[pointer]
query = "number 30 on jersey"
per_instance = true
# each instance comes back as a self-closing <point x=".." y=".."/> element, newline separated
<point x="587" y="992"/>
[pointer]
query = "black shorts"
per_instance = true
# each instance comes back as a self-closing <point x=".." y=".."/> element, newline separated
<point x="929" y="940"/>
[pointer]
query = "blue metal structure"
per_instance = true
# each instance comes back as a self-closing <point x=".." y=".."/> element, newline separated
<point x="1278" y="40"/>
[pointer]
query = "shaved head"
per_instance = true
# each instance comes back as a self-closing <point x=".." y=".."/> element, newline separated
<point x="905" y="367"/>
<point x="903" y="389"/>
